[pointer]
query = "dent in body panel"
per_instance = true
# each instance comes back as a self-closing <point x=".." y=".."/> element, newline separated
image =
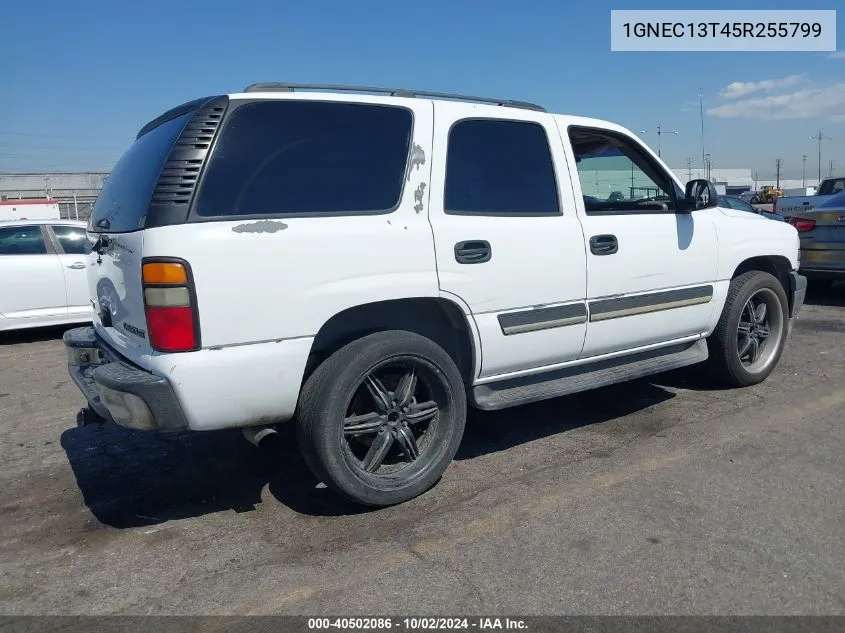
<point x="260" y="226"/>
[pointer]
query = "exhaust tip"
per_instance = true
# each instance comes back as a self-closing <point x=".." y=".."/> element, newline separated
<point x="255" y="434"/>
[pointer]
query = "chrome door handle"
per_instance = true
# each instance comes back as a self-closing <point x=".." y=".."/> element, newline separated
<point x="77" y="266"/>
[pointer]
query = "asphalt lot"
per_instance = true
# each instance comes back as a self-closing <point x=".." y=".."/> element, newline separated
<point x="663" y="497"/>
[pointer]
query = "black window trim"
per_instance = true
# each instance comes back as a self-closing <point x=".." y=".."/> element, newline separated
<point x="235" y="105"/>
<point x="505" y="214"/>
<point x="49" y="247"/>
<point x="640" y="150"/>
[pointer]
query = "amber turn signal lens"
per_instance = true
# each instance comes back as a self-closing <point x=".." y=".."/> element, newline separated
<point x="164" y="273"/>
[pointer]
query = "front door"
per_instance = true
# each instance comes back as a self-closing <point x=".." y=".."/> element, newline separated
<point x="650" y="270"/>
<point x="31" y="282"/>
<point x="508" y="242"/>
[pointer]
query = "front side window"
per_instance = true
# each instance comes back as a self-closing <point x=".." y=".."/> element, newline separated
<point x="72" y="239"/>
<point x="307" y="157"/>
<point x="617" y="176"/>
<point x="22" y="240"/>
<point x="499" y="167"/>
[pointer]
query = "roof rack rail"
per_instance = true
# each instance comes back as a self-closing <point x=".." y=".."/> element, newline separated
<point x="273" y="86"/>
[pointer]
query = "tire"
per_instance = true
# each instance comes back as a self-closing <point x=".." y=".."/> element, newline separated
<point x="724" y="343"/>
<point x="342" y="393"/>
<point x="755" y="200"/>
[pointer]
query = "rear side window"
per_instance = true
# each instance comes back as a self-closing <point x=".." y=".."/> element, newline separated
<point x="307" y="157"/>
<point x="22" y="240"/>
<point x="499" y="167"/>
<point x="123" y="202"/>
<point x="72" y="239"/>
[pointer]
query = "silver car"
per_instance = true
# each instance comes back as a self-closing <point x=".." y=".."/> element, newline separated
<point x="822" y="233"/>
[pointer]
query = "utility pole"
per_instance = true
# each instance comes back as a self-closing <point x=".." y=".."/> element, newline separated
<point x="689" y="168"/>
<point x="832" y="163"/>
<point x="804" y="171"/>
<point x="755" y="180"/>
<point x="778" y="163"/>
<point x="820" y="137"/>
<point x="659" y="134"/>
<point x="701" y="112"/>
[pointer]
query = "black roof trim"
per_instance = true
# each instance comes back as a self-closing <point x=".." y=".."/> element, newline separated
<point x="272" y="86"/>
<point x="175" y="112"/>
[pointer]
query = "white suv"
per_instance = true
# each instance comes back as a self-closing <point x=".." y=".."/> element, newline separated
<point x="370" y="262"/>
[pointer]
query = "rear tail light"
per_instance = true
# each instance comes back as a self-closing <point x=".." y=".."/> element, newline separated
<point x="775" y="206"/>
<point x="802" y="224"/>
<point x="170" y="304"/>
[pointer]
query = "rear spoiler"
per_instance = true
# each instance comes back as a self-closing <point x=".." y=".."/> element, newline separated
<point x="173" y="113"/>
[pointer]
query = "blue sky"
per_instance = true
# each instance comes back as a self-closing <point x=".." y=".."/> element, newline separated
<point x="79" y="79"/>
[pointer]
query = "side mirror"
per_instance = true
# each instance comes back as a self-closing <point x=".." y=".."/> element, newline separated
<point x="700" y="194"/>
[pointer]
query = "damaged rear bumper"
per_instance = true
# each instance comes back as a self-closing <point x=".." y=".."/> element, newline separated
<point x="118" y="391"/>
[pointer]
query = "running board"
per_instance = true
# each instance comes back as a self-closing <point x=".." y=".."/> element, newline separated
<point x="517" y="391"/>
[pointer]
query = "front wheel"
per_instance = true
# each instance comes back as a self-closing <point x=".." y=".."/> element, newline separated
<point x="749" y="339"/>
<point x="381" y="419"/>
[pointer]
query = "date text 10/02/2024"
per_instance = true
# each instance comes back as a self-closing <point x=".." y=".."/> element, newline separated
<point x="482" y="623"/>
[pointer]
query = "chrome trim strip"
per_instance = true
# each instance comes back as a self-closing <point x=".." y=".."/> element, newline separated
<point x="605" y="309"/>
<point x="542" y="318"/>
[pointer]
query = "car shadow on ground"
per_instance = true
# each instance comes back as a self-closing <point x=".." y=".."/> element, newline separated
<point x="135" y="478"/>
<point x="35" y="334"/>
<point x="834" y="296"/>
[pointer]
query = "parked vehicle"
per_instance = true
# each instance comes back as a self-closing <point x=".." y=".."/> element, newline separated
<point x="794" y="205"/>
<point x="42" y="273"/>
<point x="29" y="210"/>
<point x="369" y="264"/>
<point x="822" y="233"/>
<point x="732" y="202"/>
<point x="767" y="195"/>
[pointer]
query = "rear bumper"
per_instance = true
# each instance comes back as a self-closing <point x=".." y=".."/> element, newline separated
<point x="118" y="391"/>
<point x="798" y="289"/>
<point x="823" y="273"/>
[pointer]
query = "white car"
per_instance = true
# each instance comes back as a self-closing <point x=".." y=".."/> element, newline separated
<point x="42" y="273"/>
<point x="369" y="263"/>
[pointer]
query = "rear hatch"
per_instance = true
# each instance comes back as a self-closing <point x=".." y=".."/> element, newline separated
<point x="151" y="185"/>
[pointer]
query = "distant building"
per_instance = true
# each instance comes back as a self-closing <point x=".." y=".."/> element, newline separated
<point x="75" y="192"/>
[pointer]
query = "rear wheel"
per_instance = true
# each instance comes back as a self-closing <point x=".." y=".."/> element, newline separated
<point x="750" y="336"/>
<point x="380" y="420"/>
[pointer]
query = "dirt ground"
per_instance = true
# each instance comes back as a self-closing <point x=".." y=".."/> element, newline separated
<point x="664" y="496"/>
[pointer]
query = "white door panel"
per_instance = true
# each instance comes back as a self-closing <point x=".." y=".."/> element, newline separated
<point x="650" y="271"/>
<point x="76" y="283"/>
<point x="31" y="286"/>
<point x="528" y="298"/>
<point x="31" y="281"/>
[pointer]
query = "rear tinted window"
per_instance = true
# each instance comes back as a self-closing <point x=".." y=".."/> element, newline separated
<point x="22" y="240"/>
<point x="307" y="157"/>
<point x="123" y="202"/>
<point x="495" y="166"/>
<point x="829" y="187"/>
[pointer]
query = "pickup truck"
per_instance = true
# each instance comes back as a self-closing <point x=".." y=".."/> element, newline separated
<point x="366" y="266"/>
<point x="828" y="188"/>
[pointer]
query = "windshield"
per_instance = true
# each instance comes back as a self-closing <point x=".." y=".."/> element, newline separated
<point x="122" y="204"/>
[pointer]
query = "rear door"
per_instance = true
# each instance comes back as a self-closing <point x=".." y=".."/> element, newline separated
<point x="32" y="285"/>
<point x="508" y="242"/>
<point x="72" y="248"/>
